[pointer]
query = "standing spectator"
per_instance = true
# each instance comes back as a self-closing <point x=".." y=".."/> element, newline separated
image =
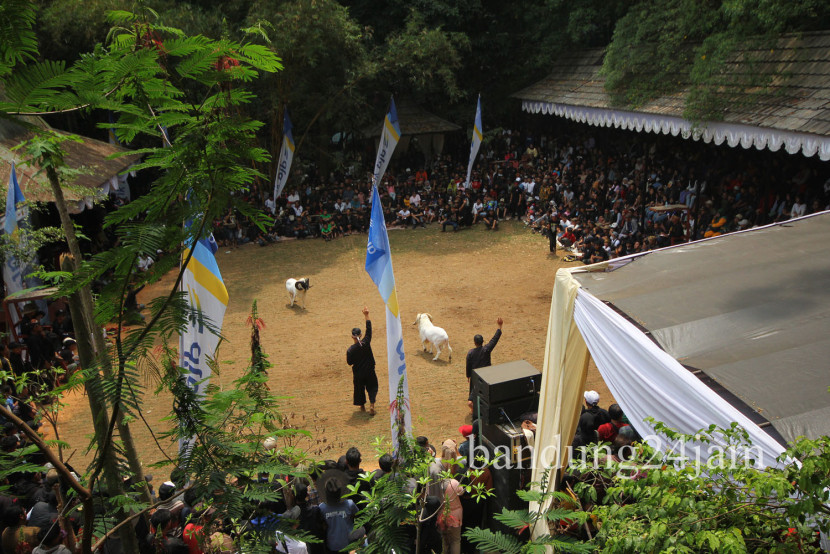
<point x="360" y="357"/>
<point x="310" y="518"/>
<point x="608" y="431"/>
<point x="592" y="408"/>
<point x="451" y="514"/>
<point x="62" y="325"/>
<point x="18" y="538"/>
<point x="338" y="516"/>
<point x="480" y="357"/>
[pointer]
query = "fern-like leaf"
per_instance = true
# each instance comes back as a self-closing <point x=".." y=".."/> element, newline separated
<point x="493" y="541"/>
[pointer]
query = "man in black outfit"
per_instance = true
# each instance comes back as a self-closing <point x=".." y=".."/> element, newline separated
<point x="480" y="357"/>
<point x="360" y="357"/>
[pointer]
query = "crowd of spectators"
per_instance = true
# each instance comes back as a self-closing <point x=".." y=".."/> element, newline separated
<point x="598" y="201"/>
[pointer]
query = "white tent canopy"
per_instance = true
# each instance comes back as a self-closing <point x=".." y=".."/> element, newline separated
<point x="730" y="329"/>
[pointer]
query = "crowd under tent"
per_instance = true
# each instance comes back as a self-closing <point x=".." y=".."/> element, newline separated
<point x="418" y="127"/>
<point x="791" y="112"/>
<point x="734" y="328"/>
<point x="99" y="173"/>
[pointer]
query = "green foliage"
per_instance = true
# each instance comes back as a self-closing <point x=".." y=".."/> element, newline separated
<point x="423" y="60"/>
<point x="17" y="38"/>
<point x="222" y="458"/>
<point x="540" y="516"/>
<point x="661" y="47"/>
<point x="195" y="91"/>
<point x="659" y="501"/>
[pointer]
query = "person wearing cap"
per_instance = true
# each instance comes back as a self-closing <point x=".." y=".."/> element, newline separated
<point x="480" y="357"/>
<point x="360" y="357"/>
<point x="592" y="407"/>
<point x="69" y="353"/>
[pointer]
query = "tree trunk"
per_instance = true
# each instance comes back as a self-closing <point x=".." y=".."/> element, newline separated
<point x="91" y="349"/>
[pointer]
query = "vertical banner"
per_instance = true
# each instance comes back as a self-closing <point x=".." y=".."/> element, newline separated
<point x="476" y="142"/>
<point x="286" y="156"/>
<point x="388" y="140"/>
<point x="206" y="293"/>
<point x="379" y="268"/>
<point x="12" y="270"/>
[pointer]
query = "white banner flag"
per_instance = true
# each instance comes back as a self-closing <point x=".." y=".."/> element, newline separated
<point x="286" y="157"/>
<point x="388" y="140"/>
<point x="476" y="142"/>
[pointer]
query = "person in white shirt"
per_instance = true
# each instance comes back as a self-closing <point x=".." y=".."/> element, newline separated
<point x="799" y="209"/>
<point x="415" y="200"/>
<point x="477" y="205"/>
<point x="271" y="206"/>
<point x="340" y="205"/>
<point x="298" y="209"/>
<point x="404" y="217"/>
<point x="294" y="197"/>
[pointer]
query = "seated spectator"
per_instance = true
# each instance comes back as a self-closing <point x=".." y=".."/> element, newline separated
<point x="417" y="217"/>
<point x="449" y="218"/>
<point x="488" y="217"/>
<point x="404" y="217"/>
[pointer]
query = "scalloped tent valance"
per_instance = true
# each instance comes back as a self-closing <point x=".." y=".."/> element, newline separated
<point x="732" y="134"/>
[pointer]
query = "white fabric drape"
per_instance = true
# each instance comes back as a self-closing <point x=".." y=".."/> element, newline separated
<point x="733" y="134"/>
<point x="648" y="382"/>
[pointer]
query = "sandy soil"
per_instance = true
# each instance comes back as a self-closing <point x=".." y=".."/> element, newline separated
<point x="465" y="280"/>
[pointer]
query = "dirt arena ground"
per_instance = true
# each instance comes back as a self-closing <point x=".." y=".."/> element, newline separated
<point x="465" y="280"/>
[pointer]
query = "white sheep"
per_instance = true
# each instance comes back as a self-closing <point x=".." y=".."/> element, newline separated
<point x="295" y="288"/>
<point x="435" y="336"/>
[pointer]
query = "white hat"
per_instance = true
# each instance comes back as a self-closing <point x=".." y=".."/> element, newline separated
<point x="591" y="397"/>
<point x="270" y="443"/>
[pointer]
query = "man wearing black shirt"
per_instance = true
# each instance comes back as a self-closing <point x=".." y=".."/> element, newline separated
<point x="480" y="356"/>
<point x="360" y="357"/>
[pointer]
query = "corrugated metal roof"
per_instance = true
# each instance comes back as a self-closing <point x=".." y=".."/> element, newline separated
<point x="797" y="98"/>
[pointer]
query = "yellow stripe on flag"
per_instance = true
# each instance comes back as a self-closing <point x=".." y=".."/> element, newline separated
<point x="391" y="129"/>
<point x="392" y="303"/>
<point x="207" y="279"/>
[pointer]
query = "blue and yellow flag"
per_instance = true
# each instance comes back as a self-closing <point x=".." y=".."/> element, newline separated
<point x="379" y="268"/>
<point x="286" y="156"/>
<point x="477" y="136"/>
<point x="388" y="140"/>
<point x="206" y="293"/>
<point x="12" y="270"/>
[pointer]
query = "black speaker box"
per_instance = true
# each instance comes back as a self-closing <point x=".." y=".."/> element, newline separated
<point x="499" y="383"/>
<point x="504" y="412"/>
<point x="506" y="481"/>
